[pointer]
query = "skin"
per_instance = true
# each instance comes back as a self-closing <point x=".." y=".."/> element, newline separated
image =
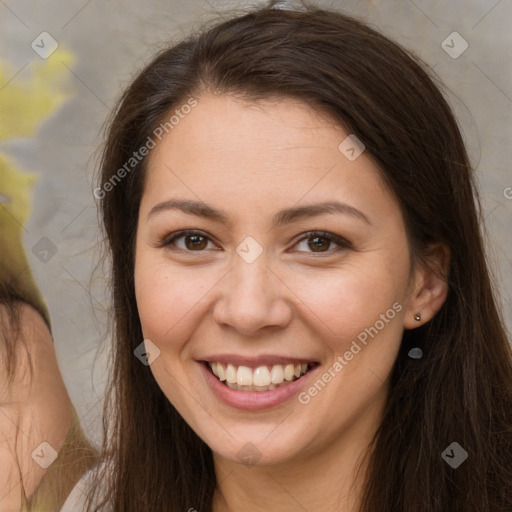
<point x="32" y="410"/>
<point x="250" y="161"/>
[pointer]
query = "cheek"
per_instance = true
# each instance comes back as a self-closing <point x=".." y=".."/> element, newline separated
<point x="167" y="298"/>
<point x="357" y="314"/>
<point x="342" y="302"/>
<point x="335" y="302"/>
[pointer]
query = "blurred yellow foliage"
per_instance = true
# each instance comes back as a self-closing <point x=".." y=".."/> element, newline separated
<point x="24" y="105"/>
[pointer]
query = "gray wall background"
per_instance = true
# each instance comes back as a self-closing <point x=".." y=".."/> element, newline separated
<point x="112" y="40"/>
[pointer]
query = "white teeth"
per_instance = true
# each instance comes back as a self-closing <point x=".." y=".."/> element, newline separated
<point x="251" y="388"/>
<point x="244" y="376"/>
<point x="289" y="372"/>
<point x="262" y="378"/>
<point x="277" y="374"/>
<point x="231" y="374"/>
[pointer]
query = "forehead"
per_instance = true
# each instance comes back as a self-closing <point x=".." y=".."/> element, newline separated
<point x="224" y="126"/>
<point x="259" y="155"/>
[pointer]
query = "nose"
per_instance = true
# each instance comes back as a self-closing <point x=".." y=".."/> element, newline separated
<point x="252" y="298"/>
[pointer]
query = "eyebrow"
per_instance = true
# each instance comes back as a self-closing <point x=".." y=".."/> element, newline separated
<point x="282" y="217"/>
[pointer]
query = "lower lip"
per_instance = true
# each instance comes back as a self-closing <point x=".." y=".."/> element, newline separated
<point x="255" y="400"/>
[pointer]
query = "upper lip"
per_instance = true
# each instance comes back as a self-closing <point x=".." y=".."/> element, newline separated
<point x="262" y="360"/>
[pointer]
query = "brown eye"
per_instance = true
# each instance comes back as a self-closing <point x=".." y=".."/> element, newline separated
<point x="188" y="241"/>
<point x="194" y="242"/>
<point x="321" y="242"/>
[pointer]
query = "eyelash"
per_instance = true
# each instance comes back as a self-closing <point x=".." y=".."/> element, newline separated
<point x="342" y="243"/>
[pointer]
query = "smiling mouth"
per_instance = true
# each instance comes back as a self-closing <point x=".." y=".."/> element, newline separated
<point x="261" y="378"/>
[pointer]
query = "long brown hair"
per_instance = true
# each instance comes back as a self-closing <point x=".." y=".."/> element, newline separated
<point x="460" y="391"/>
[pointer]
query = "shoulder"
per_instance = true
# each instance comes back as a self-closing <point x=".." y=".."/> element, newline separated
<point x="37" y="384"/>
<point x="36" y="394"/>
<point x="26" y="337"/>
<point x="33" y="400"/>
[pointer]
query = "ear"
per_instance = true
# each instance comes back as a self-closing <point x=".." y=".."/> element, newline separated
<point x="428" y="286"/>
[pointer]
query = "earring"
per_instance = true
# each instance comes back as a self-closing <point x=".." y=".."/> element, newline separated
<point x="415" y="353"/>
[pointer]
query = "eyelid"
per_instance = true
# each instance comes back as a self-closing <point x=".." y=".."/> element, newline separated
<point x="340" y="241"/>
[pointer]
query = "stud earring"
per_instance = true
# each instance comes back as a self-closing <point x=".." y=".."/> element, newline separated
<point x="417" y="317"/>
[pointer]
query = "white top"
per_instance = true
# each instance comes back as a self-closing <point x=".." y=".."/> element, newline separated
<point x="77" y="497"/>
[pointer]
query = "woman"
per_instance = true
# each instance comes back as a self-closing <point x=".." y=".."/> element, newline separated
<point x="294" y="232"/>
<point x="43" y="450"/>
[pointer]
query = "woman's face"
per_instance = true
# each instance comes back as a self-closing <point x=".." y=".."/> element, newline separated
<point x="254" y="287"/>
